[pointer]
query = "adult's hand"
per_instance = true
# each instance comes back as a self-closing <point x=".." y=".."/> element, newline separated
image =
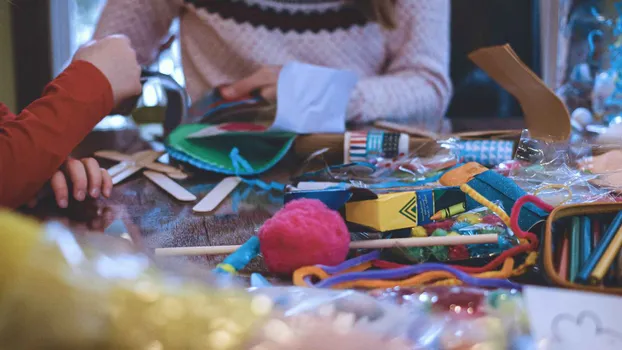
<point x="263" y="80"/>
<point x="115" y="58"/>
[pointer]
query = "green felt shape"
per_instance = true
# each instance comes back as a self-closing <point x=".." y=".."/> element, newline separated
<point x="261" y="149"/>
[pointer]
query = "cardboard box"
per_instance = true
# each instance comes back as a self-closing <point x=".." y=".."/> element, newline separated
<point x="394" y="211"/>
<point x="385" y="210"/>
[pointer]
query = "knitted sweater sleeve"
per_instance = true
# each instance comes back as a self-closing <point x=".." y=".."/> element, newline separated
<point x="415" y="86"/>
<point x="145" y="22"/>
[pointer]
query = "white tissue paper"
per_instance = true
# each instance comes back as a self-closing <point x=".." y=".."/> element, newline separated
<point x="313" y="99"/>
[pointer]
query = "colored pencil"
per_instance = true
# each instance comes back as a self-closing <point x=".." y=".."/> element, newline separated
<point x="597" y="253"/>
<point x="607" y="259"/>
<point x="563" y="261"/>
<point x="575" y="247"/>
<point x="586" y="239"/>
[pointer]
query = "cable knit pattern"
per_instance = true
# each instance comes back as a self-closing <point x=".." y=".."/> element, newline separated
<point x="404" y="72"/>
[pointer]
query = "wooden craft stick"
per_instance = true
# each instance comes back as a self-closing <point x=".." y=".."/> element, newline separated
<point x="217" y="194"/>
<point x="167" y="169"/>
<point x="116" y="169"/>
<point x="113" y="155"/>
<point x="170" y="186"/>
<point x="126" y="171"/>
<point x="369" y="244"/>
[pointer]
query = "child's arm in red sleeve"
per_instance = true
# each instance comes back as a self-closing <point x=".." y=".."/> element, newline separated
<point x="35" y="143"/>
<point x="5" y="113"/>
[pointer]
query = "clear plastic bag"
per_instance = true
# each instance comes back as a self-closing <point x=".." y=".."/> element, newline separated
<point x="553" y="172"/>
<point x="444" y="318"/>
<point x="473" y="222"/>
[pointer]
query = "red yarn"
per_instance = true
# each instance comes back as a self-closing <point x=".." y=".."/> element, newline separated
<point x="305" y="232"/>
<point x="533" y="240"/>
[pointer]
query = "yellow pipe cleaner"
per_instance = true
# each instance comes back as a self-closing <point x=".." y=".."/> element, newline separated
<point x="485" y="202"/>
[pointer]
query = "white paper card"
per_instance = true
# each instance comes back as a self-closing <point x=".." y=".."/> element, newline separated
<point x="572" y="320"/>
<point x="313" y="99"/>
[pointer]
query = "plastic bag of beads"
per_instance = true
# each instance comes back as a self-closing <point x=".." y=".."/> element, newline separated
<point x="445" y="318"/>
<point x="474" y="222"/>
<point x="464" y="317"/>
<point x="59" y="291"/>
<point x="556" y="172"/>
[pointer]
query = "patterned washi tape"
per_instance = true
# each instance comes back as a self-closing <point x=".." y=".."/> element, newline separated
<point x="361" y="146"/>
<point x="485" y="152"/>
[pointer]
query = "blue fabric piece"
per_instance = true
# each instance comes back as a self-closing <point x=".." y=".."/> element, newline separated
<point x="496" y="187"/>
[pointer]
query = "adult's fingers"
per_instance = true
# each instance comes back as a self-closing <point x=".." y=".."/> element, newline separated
<point x="61" y="191"/>
<point x="263" y="77"/>
<point x="106" y="183"/>
<point x="94" y="175"/>
<point x="78" y="177"/>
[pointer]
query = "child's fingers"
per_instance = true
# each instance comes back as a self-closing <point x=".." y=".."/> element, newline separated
<point x="61" y="191"/>
<point x="94" y="176"/>
<point x="269" y="93"/>
<point x="77" y="174"/>
<point x="106" y="183"/>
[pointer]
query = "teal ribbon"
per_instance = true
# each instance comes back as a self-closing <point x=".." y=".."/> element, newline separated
<point x="240" y="163"/>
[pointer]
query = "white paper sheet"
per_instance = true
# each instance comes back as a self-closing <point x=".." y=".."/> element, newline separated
<point x="313" y="99"/>
<point x="571" y="320"/>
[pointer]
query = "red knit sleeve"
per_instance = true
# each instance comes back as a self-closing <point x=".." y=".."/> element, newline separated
<point x="39" y="139"/>
<point x="5" y="113"/>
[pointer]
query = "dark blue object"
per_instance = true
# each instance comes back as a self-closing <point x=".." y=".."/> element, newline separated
<point x="334" y="199"/>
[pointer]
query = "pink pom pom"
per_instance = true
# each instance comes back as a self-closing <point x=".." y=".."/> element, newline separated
<point x="305" y="232"/>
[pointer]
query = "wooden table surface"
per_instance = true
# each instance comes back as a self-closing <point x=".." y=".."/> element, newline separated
<point x="153" y="219"/>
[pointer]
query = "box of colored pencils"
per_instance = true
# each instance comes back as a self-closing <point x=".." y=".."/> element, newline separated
<point x="582" y="247"/>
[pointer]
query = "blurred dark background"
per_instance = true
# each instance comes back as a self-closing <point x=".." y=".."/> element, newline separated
<point x="480" y="23"/>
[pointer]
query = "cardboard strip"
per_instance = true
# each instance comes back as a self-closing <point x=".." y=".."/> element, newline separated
<point x="170" y="186"/>
<point x="406" y="129"/>
<point x="546" y="115"/>
<point x="217" y="194"/>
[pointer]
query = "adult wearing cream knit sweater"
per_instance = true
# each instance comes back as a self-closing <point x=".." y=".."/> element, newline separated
<point x="403" y="71"/>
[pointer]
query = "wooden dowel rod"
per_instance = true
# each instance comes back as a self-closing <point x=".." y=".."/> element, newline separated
<point x="425" y="241"/>
<point x="369" y="244"/>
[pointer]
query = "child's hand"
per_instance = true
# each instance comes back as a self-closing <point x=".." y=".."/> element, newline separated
<point x="85" y="175"/>
<point x="265" y="80"/>
<point x="115" y="58"/>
